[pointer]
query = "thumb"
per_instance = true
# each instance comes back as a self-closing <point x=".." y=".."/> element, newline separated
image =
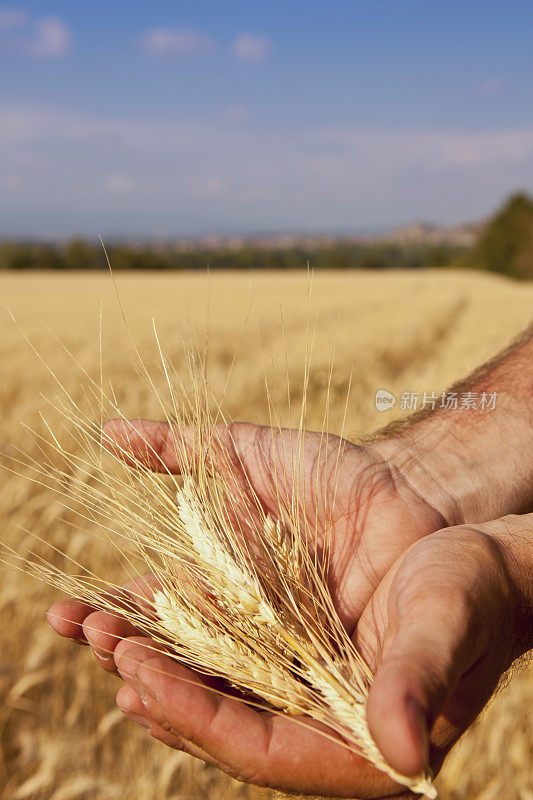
<point x="429" y="645"/>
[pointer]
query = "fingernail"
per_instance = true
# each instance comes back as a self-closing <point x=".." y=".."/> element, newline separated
<point x="83" y="642"/>
<point x="101" y="656"/>
<point x="147" y="696"/>
<point x="419" y="726"/>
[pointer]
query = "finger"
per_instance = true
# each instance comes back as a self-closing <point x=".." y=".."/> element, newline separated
<point x="258" y="747"/>
<point x="145" y="712"/>
<point x="104" y="631"/>
<point x="135" y="708"/>
<point x="165" y="447"/>
<point x="246" y="454"/>
<point x="158" y="446"/>
<point x="232" y="450"/>
<point x="175" y="448"/>
<point x="129" y="702"/>
<point x="430" y="644"/>
<point x="66" y="618"/>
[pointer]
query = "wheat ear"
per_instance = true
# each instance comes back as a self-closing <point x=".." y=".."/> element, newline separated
<point x="242" y="594"/>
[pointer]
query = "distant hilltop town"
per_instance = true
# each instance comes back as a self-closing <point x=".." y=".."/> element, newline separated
<point x="416" y="233"/>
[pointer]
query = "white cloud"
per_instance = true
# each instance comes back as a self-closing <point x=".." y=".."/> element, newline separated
<point x="34" y="37"/>
<point x="251" y="47"/>
<point x="195" y="177"/>
<point x="435" y="150"/>
<point x="51" y="38"/>
<point x="160" y="42"/>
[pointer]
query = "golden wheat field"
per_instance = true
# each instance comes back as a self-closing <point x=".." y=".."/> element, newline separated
<point x="61" y="736"/>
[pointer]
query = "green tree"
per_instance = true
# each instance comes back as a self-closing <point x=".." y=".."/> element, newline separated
<point x="506" y="244"/>
<point x="78" y="254"/>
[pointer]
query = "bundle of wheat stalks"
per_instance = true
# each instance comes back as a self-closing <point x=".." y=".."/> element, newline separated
<point x="240" y="593"/>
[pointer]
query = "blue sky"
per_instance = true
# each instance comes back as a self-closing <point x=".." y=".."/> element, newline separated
<point x="186" y="118"/>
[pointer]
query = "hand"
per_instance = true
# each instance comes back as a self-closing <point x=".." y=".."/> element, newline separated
<point x="377" y="516"/>
<point x="442" y="627"/>
<point x="444" y="624"/>
<point x="442" y="470"/>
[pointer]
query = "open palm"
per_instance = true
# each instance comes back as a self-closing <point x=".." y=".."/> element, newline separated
<point x="376" y="517"/>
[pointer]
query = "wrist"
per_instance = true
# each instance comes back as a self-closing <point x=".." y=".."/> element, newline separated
<point x="471" y="467"/>
<point x="438" y="470"/>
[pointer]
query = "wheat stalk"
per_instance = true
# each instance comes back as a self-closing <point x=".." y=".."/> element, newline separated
<point x="241" y="594"/>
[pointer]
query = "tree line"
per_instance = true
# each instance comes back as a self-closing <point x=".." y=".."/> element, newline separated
<point x="505" y="245"/>
<point x="78" y="254"/>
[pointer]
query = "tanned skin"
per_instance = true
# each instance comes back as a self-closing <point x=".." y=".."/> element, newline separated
<point x="432" y="575"/>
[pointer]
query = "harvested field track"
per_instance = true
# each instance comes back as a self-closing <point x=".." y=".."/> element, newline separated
<point x="61" y="735"/>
